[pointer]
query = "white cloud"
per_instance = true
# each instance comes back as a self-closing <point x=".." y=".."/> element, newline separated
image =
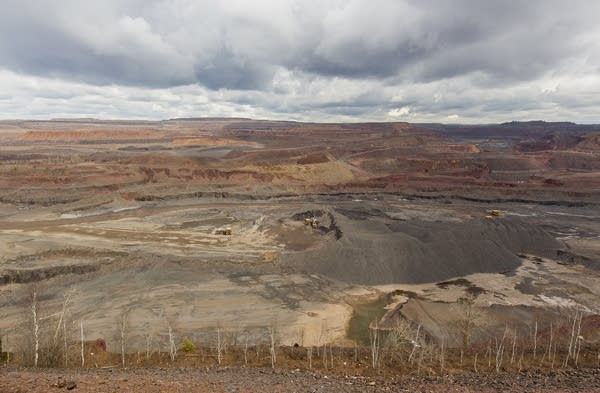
<point x="327" y="60"/>
<point x="403" y="112"/>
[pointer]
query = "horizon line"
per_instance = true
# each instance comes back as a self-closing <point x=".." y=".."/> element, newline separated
<point x="236" y="118"/>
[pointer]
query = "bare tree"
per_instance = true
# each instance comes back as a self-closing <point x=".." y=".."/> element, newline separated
<point x="148" y="344"/>
<point x="322" y="341"/>
<point x="468" y="317"/>
<point x="415" y="344"/>
<point x="246" y="349"/>
<point x="33" y="294"/>
<point x="123" y="330"/>
<point x="500" y="351"/>
<point x="579" y="339"/>
<point x="61" y="316"/>
<point x="219" y="346"/>
<point x="375" y="344"/>
<point x="549" y="347"/>
<point x="82" y="343"/>
<point x="514" y="346"/>
<point x="572" y="339"/>
<point x="172" y="346"/>
<point x="521" y="359"/>
<point x="272" y="347"/>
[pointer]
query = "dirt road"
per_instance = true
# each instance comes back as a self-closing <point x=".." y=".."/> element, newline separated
<point x="266" y="380"/>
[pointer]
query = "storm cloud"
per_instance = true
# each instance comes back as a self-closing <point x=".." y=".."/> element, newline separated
<point x="464" y="61"/>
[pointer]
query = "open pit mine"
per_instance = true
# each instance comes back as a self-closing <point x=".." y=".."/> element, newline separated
<point x="243" y="230"/>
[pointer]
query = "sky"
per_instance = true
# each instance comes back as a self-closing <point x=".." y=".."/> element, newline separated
<point x="460" y="61"/>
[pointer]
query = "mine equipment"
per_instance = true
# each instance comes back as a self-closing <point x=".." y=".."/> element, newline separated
<point x="313" y="222"/>
<point x="224" y="231"/>
<point x="493" y="213"/>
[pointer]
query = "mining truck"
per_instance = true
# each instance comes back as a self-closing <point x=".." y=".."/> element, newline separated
<point x="313" y="222"/>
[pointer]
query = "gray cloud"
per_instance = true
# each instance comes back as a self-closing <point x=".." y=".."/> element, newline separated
<point x="464" y="60"/>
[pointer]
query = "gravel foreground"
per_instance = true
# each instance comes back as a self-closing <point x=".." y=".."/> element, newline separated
<point x="14" y="380"/>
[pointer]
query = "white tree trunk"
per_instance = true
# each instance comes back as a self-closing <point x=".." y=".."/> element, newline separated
<point x="246" y="351"/>
<point x="148" y="345"/>
<point x="123" y="344"/>
<point x="374" y="345"/>
<point x="219" y="347"/>
<point x="82" y="344"/>
<point x="415" y="344"/>
<point x="172" y="347"/>
<point x="36" y="328"/>
<point x="273" y="354"/>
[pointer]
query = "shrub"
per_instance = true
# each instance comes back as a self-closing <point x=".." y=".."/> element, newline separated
<point x="187" y="345"/>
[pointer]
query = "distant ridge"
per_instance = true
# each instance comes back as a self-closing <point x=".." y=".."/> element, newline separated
<point x="512" y="128"/>
<point x="537" y="123"/>
<point x="75" y="119"/>
<point x="208" y="118"/>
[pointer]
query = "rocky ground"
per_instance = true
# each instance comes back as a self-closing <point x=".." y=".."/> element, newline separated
<point x="266" y="380"/>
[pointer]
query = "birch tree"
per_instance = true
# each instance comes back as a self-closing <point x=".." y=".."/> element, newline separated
<point x="36" y="324"/>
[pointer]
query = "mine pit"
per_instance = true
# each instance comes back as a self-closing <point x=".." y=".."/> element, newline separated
<point x="241" y="229"/>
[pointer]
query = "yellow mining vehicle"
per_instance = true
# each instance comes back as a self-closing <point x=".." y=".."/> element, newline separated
<point x="493" y="213"/>
<point x="313" y="222"/>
